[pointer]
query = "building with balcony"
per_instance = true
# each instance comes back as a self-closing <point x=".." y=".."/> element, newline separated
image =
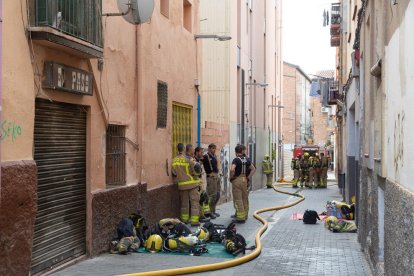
<point x="92" y="110"/>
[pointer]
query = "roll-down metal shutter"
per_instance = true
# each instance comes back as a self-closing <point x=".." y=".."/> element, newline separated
<point x="60" y="154"/>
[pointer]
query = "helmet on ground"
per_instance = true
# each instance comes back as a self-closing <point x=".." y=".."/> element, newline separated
<point x="181" y="243"/>
<point x="203" y="234"/>
<point x="154" y="243"/>
<point x="306" y="154"/>
<point x="330" y="221"/>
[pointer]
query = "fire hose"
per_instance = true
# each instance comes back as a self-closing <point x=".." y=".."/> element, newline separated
<point x="235" y="262"/>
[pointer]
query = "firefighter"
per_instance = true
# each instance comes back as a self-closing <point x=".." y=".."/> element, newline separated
<point x="304" y="170"/>
<point x="311" y="171"/>
<point x="267" y="169"/>
<point x="204" y="203"/>
<point x="241" y="169"/>
<point x="213" y="179"/>
<point x="295" y="164"/>
<point x="317" y="166"/>
<point x="324" y="170"/>
<point x="184" y="171"/>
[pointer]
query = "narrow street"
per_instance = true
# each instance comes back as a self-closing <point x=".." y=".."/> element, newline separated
<point x="289" y="246"/>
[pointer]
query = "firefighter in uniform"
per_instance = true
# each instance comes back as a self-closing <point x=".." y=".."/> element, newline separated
<point x="204" y="204"/>
<point x="241" y="169"/>
<point x="317" y="166"/>
<point x="267" y="169"/>
<point x="304" y="170"/>
<point x="295" y="165"/>
<point x="324" y="170"/>
<point x="184" y="171"/>
<point x="311" y="171"/>
<point x="213" y="180"/>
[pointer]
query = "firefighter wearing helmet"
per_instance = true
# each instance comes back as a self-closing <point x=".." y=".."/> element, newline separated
<point x="295" y="166"/>
<point x="267" y="169"/>
<point x="304" y="170"/>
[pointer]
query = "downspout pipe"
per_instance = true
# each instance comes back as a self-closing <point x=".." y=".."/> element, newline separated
<point x="198" y="117"/>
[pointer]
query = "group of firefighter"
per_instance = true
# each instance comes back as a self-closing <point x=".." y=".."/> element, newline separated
<point x="310" y="169"/>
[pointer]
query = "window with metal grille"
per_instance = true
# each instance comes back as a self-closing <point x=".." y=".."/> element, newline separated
<point x="182" y="126"/>
<point x="115" y="155"/>
<point x="162" y="109"/>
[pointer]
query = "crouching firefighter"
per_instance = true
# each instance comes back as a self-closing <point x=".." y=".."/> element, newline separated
<point x="241" y="169"/>
<point x="184" y="172"/>
<point x="267" y="168"/>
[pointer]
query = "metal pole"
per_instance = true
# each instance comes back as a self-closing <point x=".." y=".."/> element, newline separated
<point x="198" y="118"/>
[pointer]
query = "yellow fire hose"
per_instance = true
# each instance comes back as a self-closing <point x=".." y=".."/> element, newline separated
<point x="226" y="264"/>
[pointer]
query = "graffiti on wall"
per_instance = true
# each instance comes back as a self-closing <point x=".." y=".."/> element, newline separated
<point x="225" y="169"/>
<point x="10" y="130"/>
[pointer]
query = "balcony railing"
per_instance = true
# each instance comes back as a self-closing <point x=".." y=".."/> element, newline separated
<point x="78" y="18"/>
<point x="336" y="13"/>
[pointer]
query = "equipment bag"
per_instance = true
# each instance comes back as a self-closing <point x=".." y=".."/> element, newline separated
<point x="310" y="217"/>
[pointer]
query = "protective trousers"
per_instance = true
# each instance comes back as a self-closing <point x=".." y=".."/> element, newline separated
<point x="318" y="179"/>
<point x="240" y="197"/>
<point x="324" y="176"/>
<point x="312" y="176"/>
<point x="304" y="177"/>
<point x="296" y="176"/>
<point x="213" y="191"/>
<point x="269" y="180"/>
<point x="190" y="205"/>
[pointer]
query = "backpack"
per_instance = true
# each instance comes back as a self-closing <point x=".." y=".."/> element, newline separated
<point x="310" y="217"/>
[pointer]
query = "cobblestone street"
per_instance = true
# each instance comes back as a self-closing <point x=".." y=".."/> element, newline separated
<point x="290" y="247"/>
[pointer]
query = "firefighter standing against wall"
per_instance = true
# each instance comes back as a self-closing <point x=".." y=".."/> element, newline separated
<point x="213" y="180"/>
<point x="184" y="171"/>
<point x="241" y="169"/>
<point x="204" y="204"/>
<point x="267" y="169"/>
<point x="324" y="170"/>
<point x="295" y="166"/>
<point x="304" y="170"/>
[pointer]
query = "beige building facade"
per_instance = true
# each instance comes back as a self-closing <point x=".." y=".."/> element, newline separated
<point x="242" y="81"/>
<point x="92" y="110"/>
<point x="376" y="70"/>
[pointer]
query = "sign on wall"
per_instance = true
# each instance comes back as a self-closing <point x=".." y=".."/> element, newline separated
<point x="69" y="79"/>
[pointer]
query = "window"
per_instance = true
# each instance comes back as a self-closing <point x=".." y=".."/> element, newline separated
<point x="162" y="96"/>
<point x="115" y="155"/>
<point x="182" y="126"/>
<point x="165" y="8"/>
<point x="187" y="16"/>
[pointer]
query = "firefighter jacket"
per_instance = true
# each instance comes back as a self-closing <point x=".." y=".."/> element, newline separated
<point x="184" y="172"/>
<point x="304" y="164"/>
<point x="316" y="162"/>
<point x="295" y="164"/>
<point x="267" y="167"/>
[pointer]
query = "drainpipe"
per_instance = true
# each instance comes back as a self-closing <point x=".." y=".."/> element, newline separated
<point x="198" y="116"/>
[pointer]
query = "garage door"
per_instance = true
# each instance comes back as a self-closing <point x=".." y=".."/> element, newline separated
<point x="60" y="154"/>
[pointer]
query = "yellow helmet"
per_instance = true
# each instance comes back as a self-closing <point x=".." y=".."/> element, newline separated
<point x="153" y="243"/>
<point x="317" y="154"/>
<point x="330" y="221"/>
<point x="203" y="234"/>
<point x="182" y="242"/>
<point x="267" y="157"/>
<point x="306" y="154"/>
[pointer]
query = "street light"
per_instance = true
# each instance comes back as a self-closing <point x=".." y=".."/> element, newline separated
<point x="204" y="36"/>
<point x="212" y="36"/>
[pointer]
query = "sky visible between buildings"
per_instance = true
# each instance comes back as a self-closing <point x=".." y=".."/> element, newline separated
<point x="306" y="42"/>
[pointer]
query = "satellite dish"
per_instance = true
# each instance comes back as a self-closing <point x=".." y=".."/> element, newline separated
<point x="136" y="11"/>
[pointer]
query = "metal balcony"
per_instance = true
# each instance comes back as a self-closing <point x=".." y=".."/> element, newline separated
<point x="75" y="24"/>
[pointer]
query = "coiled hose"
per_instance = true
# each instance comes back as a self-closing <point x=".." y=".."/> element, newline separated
<point x="226" y="264"/>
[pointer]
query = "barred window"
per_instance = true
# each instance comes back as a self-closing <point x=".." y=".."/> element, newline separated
<point x="182" y="125"/>
<point x="115" y="155"/>
<point x="162" y="94"/>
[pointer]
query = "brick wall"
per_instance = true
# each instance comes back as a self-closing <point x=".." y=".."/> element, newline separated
<point x="291" y="103"/>
<point x="319" y="122"/>
<point x="216" y="133"/>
